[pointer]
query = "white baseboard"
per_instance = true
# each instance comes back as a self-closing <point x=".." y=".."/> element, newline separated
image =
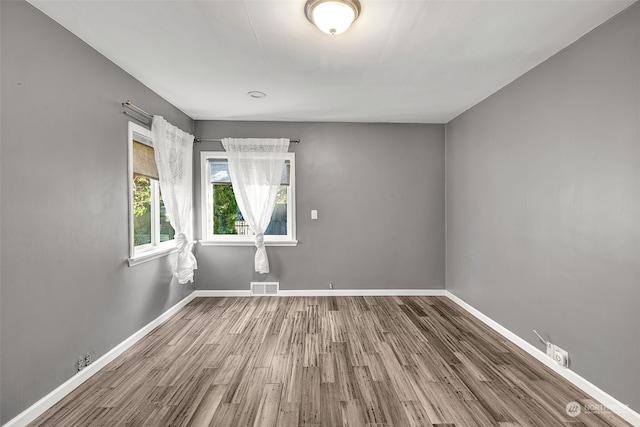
<point x="360" y="292"/>
<point x="614" y="405"/>
<point x="327" y="292"/>
<point x="38" y="408"/>
<point x="218" y="293"/>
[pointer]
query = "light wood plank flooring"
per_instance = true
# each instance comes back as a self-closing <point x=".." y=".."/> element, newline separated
<point x="324" y="361"/>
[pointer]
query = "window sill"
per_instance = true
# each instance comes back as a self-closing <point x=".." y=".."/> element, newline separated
<point x="246" y="243"/>
<point x="152" y="254"/>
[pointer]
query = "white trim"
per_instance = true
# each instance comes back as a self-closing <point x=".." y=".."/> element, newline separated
<point x="362" y="292"/>
<point x="206" y="196"/>
<point x="152" y="254"/>
<point x="622" y="410"/>
<point x="38" y="408"/>
<point x="247" y="242"/>
<point x="132" y="129"/>
<point x="222" y="293"/>
<point x="327" y="292"/>
<point x="291" y="200"/>
<point x="155" y="212"/>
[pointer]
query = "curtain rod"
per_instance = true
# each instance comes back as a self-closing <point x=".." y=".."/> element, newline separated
<point x="146" y="118"/>
<point x="128" y="104"/>
<point x="198" y="140"/>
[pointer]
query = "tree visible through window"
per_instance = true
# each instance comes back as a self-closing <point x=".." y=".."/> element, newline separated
<point x="141" y="210"/>
<point x="225" y="210"/>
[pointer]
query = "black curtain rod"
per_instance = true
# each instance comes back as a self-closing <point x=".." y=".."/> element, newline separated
<point x="147" y="118"/>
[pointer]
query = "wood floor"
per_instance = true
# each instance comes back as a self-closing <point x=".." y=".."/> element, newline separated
<point x="324" y="361"/>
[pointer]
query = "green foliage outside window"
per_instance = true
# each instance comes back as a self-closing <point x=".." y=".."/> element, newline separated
<point x="141" y="210"/>
<point x="227" y="218"/>
<point x="225" y="210"/>
<point x="141" y="195"/>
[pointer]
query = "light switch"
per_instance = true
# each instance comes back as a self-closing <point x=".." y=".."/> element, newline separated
<point x="314" y="214"/>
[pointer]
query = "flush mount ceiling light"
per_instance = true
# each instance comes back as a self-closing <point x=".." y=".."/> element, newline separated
<point x="332" y="16"/>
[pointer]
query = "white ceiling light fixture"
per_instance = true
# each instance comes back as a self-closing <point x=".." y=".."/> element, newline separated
<point x="332" y="16"/>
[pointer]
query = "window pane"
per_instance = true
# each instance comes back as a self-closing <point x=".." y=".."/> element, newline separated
<point x="219" y="172"/>
<point x="278" y="224"/>
<point x="166" y="230"/>
<point x="141" y="211"/>
<point x="227" y="218"/>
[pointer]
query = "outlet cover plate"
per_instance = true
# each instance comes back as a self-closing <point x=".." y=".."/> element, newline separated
<point x="561" y="356"/>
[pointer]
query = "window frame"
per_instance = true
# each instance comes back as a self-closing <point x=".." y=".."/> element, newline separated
<point x="206" y="201"/>
<point x="155" y="249"/>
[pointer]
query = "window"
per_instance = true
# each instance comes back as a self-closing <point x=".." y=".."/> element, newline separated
<point x="222" y="221"/>
<point x="151" y="234"/>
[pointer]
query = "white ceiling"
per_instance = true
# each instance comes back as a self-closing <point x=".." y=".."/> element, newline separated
<point x="401" y="61"/>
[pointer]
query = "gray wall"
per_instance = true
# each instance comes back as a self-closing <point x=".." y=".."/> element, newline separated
<point x="66" y="288"/>
<point x="543" y="205"/>
<point x="379" y="192"/>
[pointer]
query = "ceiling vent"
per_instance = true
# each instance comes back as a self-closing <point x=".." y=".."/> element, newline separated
<point x="265" y="288"/>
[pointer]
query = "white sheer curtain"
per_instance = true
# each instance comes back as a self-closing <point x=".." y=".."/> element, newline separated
<point x="174" y="156"/>
<point x="255" y="165"/>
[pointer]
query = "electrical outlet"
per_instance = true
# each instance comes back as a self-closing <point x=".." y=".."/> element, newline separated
<point x="80" y="363"/>
<point x="561" y="356"/>
<point x="88" y="358"/>
<point x="330" y="285"/>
